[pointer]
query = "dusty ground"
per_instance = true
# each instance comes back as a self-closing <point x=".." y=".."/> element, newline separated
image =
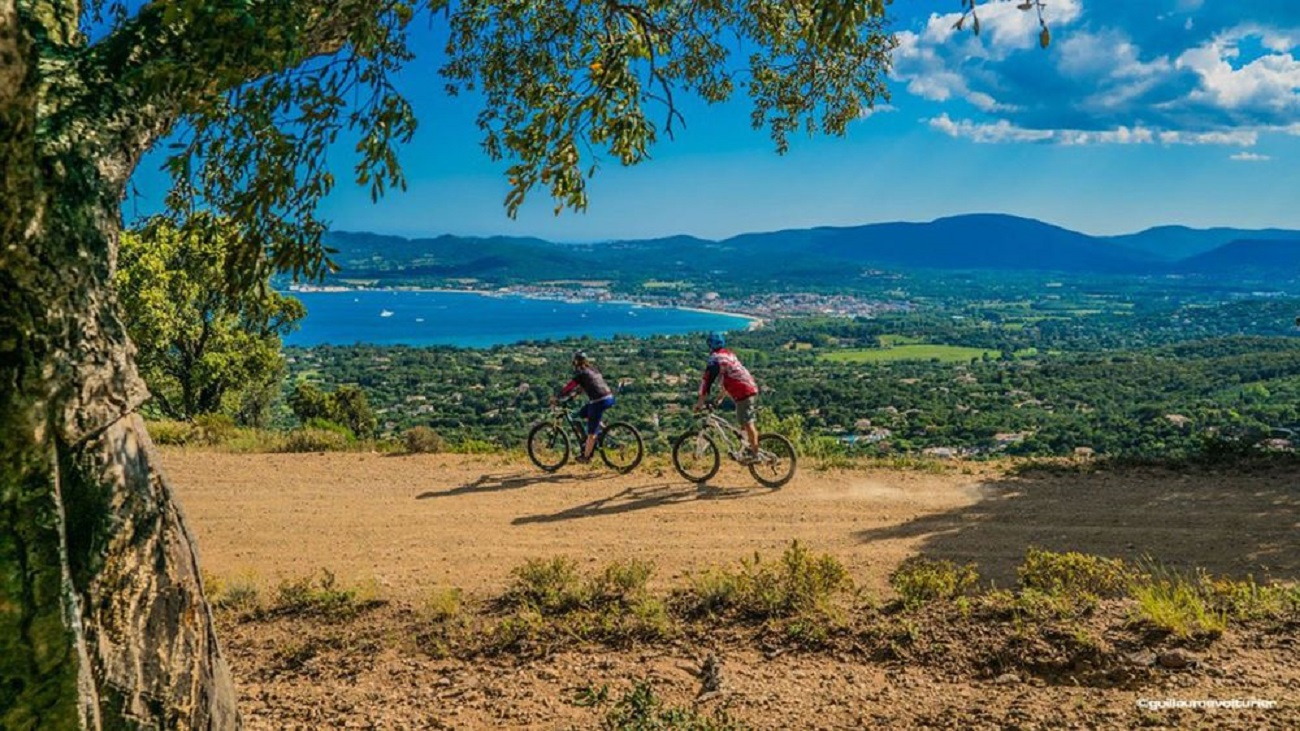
<point x="412" y="523"/>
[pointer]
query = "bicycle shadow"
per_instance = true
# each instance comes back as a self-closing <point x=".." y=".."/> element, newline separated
<point x="498" y="483"/>
<point x="644" y="497"/>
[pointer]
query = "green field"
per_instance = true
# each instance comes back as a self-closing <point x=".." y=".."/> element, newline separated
<point x="887" y="341"/>
<point x="942" y="353"/>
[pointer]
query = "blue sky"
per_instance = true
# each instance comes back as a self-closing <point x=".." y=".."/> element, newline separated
<point x="1142" y="113"/>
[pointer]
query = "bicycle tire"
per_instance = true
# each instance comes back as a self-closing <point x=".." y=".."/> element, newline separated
<point x="775" y="452"/>
<point x="698" y="446"/>
<point x="623" y="435"/>
<point x="542" y="440"/>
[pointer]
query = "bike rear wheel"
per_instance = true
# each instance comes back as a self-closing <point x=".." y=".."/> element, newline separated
<point x="621" y="447"/>
<point x="776" y="461"/>
<point x="696" y="457"/>
<point x="548" y="446"/>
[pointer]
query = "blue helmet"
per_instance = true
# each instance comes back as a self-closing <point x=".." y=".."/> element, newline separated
<point x="717" y="340"/>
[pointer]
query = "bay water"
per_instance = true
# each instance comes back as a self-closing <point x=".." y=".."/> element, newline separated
<point x="475" y="320"/>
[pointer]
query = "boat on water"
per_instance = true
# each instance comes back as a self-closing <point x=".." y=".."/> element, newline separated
<point x="385" y="313"/>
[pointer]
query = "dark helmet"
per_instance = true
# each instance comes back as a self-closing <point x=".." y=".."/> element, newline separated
<point x="717" y="340"/>
<point x="579" y="356"/>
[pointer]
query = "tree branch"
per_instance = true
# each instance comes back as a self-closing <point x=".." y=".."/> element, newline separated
<point x="179" y="57"/>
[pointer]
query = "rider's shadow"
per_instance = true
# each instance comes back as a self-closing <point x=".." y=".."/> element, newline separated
<point x="499" y="483"/>
<point x="641" y="497"/>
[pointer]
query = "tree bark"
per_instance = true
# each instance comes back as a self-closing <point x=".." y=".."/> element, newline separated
<point x="103" y="623"/>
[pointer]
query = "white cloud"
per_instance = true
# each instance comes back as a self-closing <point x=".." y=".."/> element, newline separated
<point x="1003" y="130"/>
<point x="1107" y="79"/>
<point x="999" y="131"/>
<point x="1237" y="137"/>
<point x="1117" y="136"/>
<point x="931" y="62"/>
<point x="878" y="109"/>
<point x="1249" y="157"/>
<point x="1268" y="84"/>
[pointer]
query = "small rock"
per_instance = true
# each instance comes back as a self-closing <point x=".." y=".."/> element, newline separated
<point x="1007" y="679"/>
<point x="1176" y="659"/>
<point x="710" y="675"/>
<point x="1142" y="658"/>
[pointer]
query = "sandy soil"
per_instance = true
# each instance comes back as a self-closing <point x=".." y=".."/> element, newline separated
<point x="414" y="522"/>
<point x="411" y="523"/>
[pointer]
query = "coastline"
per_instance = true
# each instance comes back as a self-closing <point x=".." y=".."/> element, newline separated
<point x="753" y="322"/>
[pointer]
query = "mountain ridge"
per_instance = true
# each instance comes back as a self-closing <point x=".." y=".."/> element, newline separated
<point x="979" y="241"/>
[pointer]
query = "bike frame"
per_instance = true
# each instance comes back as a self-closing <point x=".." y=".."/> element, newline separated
<point x="729" y="434"/>
<point x="562" y="414"/>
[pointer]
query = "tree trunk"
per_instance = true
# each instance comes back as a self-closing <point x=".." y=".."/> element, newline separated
<point x="103" y="624"/>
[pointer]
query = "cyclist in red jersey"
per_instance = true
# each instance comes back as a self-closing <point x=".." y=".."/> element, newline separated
<point x="738" y="384"/>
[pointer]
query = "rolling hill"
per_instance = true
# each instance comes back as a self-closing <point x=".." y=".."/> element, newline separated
<point x="1279" y="257"/>
<point x="1172" y="243"/>
<point x="967" y="242"/>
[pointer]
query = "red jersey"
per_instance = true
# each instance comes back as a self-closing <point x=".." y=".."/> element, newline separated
<point x="736" y="381"/>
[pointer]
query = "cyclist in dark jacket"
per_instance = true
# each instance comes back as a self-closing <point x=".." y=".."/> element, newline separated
<point x="599" y="398"/>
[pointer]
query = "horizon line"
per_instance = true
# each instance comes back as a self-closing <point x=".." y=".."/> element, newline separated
<point x="587" y="242"/>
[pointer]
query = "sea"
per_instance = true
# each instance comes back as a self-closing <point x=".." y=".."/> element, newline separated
<point x="479" y="320"/>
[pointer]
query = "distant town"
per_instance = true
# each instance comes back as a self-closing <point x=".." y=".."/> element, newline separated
<point x="764" y="306"/>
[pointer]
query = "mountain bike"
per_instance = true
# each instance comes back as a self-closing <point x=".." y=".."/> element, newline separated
<point x="697" y="456"/>
<point x="619" y="443"/>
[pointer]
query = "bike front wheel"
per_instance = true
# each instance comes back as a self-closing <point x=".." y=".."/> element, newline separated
<point x="621" y="447"/>
<point x="775" y="464"/>
<point x="696" y="457"/>
<point x="548" y="446"/>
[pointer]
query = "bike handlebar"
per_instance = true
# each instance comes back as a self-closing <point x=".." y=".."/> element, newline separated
<point x="711" y="405"/>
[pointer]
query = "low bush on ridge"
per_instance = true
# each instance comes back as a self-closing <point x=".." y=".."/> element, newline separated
<point x="798" y="583"/>
<point x="423" y="440"/>
<point x="920" y="580"/>
<point x="1073" y="616"/>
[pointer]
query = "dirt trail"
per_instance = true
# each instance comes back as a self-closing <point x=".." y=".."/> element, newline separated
<point x="413" y="522"/>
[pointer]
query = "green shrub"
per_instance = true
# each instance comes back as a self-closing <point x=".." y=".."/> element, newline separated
<point x="639" y="709"/>
<point x="319" y="597"/>
<point x="470" y="445"/>
<point x="1073" y="573"/>
<point x="549" y="586"/>
<point x="551" y="602"/>
<point x="171" y="433"/>
<point x="1170" y="602"/>
<point x="713" y="592"/>
<point x="240" y="598"/>
<point x="443" y="604"/>
<point x="213" y="429"/>
<point x="798" y="584"/>
<point x="240" y="595"/>
<point x="621" y="582"/>
<point x="347" y="405"/>
<point x="423" y="440"/>
<point x="314" y="439"/>
<point x="919" y="580"/>
<point x="1219" y="448"/>
<point x="1038" y="604"/>
<point x="330" y="426"/>
<point x="1248" y="600"/>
